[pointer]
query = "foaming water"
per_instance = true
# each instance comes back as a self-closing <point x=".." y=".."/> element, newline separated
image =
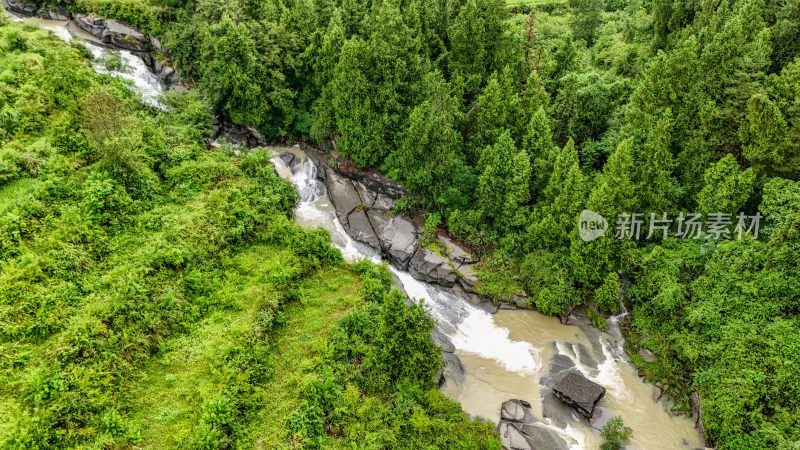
<point x="314" y="210"/>
<point x="471" y="329"/>
<point x="132" y="69"/>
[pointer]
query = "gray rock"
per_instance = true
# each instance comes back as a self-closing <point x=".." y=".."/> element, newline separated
<point x="697" y="413"/>
<point x="579" y="392"/>
<point x="647" y="355"/>
<point x="522" y="301"/>
<point x="235" y="134"/>
<point x="123" y="36"/>
<point x="600" y="418"/>
<point x="452" y="366"/>
<point x="455" y="251"/>
<point x="427" y="266"/>
<point x="360" y="229"/>
<point x="516" y="410"/>
<point x="397" y="235"/>
<point x="113" y="33"/>
<point x="520" y="430"/>
<point x="560" y="414"/>
<point x="90" y="24"/>
<point x="472" y="299"/>
<point x="438" y="378"/>
<point x="488" y="306"/>
<point x="155" y="43"/>
<point x="509" y="306"/>
<point x="468" y="277"/>
<point x="577" y="317"/>
<point x="290" y="160"/>
<point x="342" y="193"/>
<point x="167" y="75"/>
<point x="657" y="393"/>
<point x="443" y="341"/>
<point x="158" y="66"/>
<point x="383" y="203"/>
<point x="59" y="13"/>
<point x="367" y="196"/>
<point x="559" y="364"/>
<point x="21" y="7"/>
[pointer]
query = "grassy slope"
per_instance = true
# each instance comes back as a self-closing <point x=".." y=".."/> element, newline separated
<point x="168" y="397"/>
<point x="299" y="346"/>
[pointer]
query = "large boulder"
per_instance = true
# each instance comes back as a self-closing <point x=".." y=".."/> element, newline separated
<point x="647" y="355"/>
<point x="397" y="235"/>
<point x="113" y="33"/>
<point x="360" y="229"/>
<point x="427" y="266"/>
<point x="123" y="36"/>
<point x="59" y="13"/>
<point x="455" y="251"/>
<point x="343" y="195"/>
<point x="367" y="196"/>
<point x="520" y="430"/>
<point x="442" y="341"/>
<point x="235" y="134"/>
<point x="579" y="392"/>
<point x="90" y="24"/>
<point x="290" y="160"/>
<point x="468" y="277"/>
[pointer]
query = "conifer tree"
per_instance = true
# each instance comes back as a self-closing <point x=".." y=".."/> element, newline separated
<point x="503" y="183"/>
<point x="538" y="143"/>
<point x="375" y="84"/>
<point x="657" y="189"/>
<point x="726" y="187"/>
<point x="614" y="193"/>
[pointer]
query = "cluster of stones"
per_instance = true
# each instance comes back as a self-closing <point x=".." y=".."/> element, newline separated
<point x="367" y="217"/>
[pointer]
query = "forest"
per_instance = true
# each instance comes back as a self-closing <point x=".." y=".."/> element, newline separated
<point x="503" y="121"/>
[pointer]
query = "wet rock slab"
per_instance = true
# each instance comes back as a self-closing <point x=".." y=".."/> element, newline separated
<point x="520" y="430"/>
<point x="114" y="33"/>
<point x="428" y="266"/>
<point x="579" y="392"/>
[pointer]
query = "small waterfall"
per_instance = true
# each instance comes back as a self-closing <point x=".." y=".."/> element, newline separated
<point x="471" y="329"/>
<point x="133" y="69"/>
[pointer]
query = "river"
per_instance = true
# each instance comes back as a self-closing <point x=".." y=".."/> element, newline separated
<point x="505" y="355"/>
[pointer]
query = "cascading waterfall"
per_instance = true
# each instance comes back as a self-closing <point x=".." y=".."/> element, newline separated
<point x="469" y="328"/>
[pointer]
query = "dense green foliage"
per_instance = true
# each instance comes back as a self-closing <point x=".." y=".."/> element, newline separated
<point x="130" y="247"/>
<point x="373" y="386"/>
<point x="615" y="434"/>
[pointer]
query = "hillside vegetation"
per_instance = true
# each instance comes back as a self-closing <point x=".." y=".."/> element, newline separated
<point x="155" y="291"/>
